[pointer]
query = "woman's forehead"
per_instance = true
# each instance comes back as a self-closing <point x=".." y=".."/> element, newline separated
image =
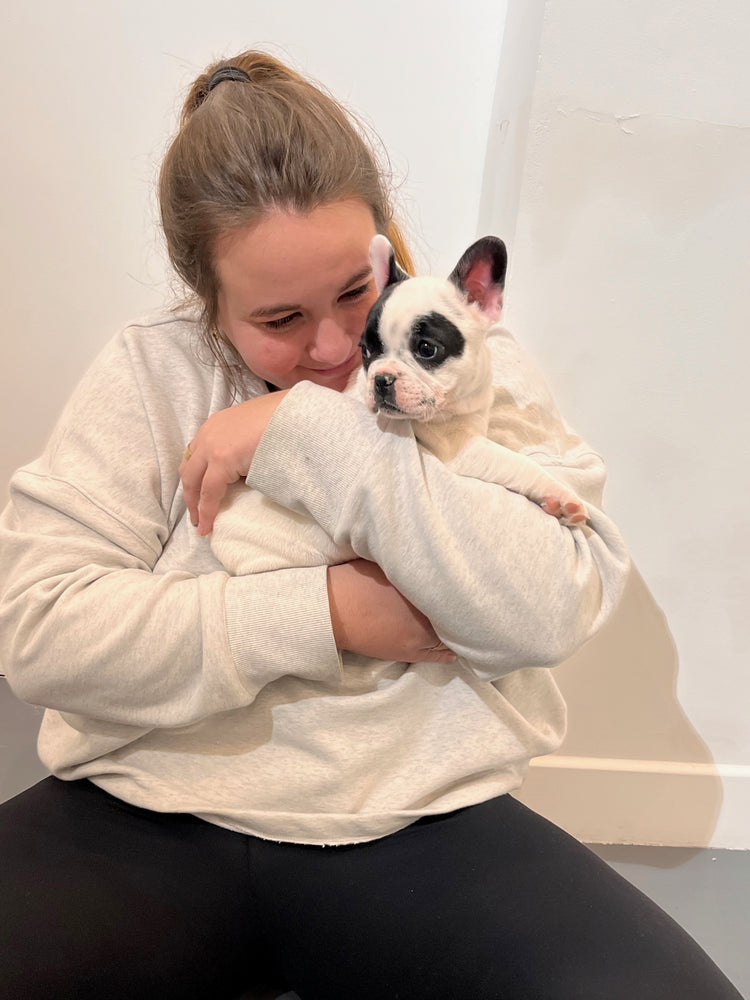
<point x="292" y="251"/>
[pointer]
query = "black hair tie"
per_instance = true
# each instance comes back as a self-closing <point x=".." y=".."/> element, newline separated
<point x="226" y="73"/>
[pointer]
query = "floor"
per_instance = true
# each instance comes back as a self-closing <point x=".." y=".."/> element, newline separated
<point x="706" y="891"/>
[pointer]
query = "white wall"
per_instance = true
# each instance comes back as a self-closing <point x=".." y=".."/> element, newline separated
<point x="95" y="93"/>
<point x="629" y="283"/>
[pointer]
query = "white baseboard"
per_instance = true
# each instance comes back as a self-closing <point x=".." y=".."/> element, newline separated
<point x="603" y="800"/>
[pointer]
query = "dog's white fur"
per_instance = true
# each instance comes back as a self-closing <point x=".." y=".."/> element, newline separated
<point x="449" y="409"/>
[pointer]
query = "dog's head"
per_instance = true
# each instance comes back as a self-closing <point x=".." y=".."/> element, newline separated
<point x="423" y="347"/>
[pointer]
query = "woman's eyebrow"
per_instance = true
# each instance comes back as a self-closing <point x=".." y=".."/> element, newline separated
<point x="287" y="307"/>
<point x="355" y="279"/>
<point x="282" y="307"/>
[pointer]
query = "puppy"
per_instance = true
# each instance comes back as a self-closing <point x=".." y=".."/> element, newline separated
<point x="425" y="359"/>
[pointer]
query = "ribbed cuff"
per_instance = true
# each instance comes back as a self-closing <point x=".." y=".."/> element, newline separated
<point x="279" y="623"/>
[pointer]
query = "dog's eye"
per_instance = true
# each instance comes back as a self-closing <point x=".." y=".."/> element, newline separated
<point x="426" y="350"/>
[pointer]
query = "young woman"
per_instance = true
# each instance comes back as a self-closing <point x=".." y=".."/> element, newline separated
<point x="290" y="779"/>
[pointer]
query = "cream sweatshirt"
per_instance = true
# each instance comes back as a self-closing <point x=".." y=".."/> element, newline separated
<point x="180" y="688"/>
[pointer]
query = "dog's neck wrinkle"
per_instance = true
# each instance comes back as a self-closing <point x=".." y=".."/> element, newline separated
<point x="448" y="432"/>
<point x="446" y="438"/>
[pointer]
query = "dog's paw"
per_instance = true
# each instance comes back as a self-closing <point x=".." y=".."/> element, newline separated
<point x="568" y="510"/>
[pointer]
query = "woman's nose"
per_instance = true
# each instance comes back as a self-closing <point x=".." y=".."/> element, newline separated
<point x="331" y="343"/>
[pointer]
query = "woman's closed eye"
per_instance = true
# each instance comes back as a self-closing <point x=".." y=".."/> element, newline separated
<point x="352" y="295"/>
<point x="279" y="324"/>
<point x="356" y="293"/>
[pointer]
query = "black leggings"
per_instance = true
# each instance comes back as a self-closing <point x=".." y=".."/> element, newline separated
<point x="100" y="900"/>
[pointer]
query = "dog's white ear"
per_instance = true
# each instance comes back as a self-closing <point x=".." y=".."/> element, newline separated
<point x="481" y="275"/>
<point x="385" y="270"/>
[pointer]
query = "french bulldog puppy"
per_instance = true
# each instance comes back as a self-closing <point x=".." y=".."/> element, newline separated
<point x="425" y="359"/>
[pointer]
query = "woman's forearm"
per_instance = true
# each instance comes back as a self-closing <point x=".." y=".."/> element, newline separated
<point x="90" y="628"/>
<point x="371" y="617"/>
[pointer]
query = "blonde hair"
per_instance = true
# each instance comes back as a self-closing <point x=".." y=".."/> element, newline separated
<point x="244" y="147"/>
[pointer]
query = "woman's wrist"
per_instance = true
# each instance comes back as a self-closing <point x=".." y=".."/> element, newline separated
<point x="345" y="584"/>
<point x="371" y="617"/>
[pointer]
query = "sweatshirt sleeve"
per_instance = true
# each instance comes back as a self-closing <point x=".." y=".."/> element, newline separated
<point x="504" y="584"/>
<point x="111" y="607"/>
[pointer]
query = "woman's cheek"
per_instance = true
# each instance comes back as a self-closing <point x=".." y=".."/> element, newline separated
<point x="278" y="358"/>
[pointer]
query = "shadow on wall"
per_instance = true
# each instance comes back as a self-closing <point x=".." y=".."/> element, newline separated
<point x="632" y="769"/>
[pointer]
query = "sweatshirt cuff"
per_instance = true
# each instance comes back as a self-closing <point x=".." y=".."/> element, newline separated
<point x="279" y="623"/>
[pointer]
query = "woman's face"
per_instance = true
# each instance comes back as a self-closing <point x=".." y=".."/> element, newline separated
<point x="295" y="291"/>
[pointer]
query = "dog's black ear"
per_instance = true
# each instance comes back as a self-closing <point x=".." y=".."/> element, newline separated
<point x="481" y="274"/>
<point x="384" y="267"/>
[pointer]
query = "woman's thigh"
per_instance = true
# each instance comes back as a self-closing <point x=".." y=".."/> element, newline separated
<point x="488" y="902"/>
<point x="102" y="900"/>
<point x="99" y="899"/>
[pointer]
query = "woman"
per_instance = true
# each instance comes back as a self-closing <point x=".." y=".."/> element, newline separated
<point x="289" y="778"/>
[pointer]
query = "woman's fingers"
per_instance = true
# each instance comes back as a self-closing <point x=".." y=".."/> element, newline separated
<point x="213" y="488"/>
<point x="221" y="453"/>
<point x="191" y="484"/>
<point x="204" y="485"/>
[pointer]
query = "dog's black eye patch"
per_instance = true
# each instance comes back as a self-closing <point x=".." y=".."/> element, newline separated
<point x="434" y="339"/>
<point x="370" y="342"/>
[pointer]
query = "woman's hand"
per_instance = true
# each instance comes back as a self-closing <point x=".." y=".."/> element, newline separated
<point x="221" y="453"/>
<point x="370" y="617"/>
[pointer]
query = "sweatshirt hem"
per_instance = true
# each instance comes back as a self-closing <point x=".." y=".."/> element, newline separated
<point x="341" y="829"/>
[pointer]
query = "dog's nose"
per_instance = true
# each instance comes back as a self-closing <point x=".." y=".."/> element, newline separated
<point x="384" y="383"/>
